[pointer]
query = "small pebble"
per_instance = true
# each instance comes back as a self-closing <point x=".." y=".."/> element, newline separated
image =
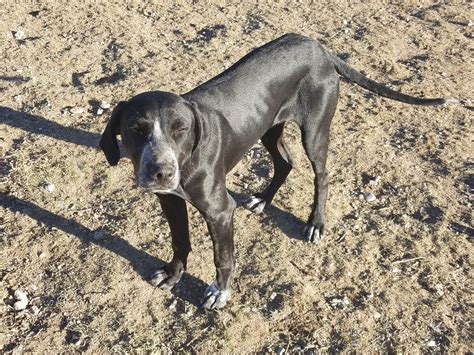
<point x="50" y="187"/>
<point x="272" y="296"/>
<point x="42" y="255"/>
<point x="21" y="300"/>
<point x="104" y="105"/>
<point x="432" y="343"/>
<point x="19" y="35"/>
<point x="172" y="306"/>
<point x="76" y="110"/>
<point x="377" y="315"/>
<point x="339" y="301"/>
<point x="35" y="310"/>
<point x="99" y="111"/>
<point x="374" y="181"/>
<point x="369" y="197"/>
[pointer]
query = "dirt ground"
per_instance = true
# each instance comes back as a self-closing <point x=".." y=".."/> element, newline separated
<point x="80" y="239"/>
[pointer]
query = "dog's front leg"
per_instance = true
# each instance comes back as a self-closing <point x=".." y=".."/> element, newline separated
<point x="175" y="212"/>
<point x="218" y="211"/>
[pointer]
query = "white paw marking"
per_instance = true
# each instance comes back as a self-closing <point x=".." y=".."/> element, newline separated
<point x="158" y="277"/>
<point x="214" y="297"/>
<point x="255" y="204"/>
<point x="312" y="234"/>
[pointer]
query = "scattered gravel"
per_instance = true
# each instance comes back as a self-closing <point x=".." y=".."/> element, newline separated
<point x="338" y="301"/>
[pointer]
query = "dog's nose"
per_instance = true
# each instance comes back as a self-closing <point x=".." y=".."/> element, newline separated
<point x="164" y="174"/>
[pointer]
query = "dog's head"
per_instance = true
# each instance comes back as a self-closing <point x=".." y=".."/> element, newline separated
<point x="160" y="131"/>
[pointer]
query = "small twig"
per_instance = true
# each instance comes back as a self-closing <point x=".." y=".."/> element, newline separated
<point x="407" y="260"/>
<point x="299" y="269"/>
<point x="287" y="345"/>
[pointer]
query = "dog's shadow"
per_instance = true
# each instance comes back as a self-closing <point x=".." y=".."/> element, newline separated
<point x="42" y="126"/>
<point x="189" y="289"/>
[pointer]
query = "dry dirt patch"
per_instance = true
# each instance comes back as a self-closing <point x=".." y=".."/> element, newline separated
<point x="392" y="275"/>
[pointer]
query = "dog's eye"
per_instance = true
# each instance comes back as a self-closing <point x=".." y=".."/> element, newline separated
<point x="139" y="129"/>
<point x="179" y="131"/>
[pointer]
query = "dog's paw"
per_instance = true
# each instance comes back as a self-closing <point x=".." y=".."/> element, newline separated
<point x="255" y="204"/>
<point x="161" y="279"/>
<point x="313" y="234"/>
<point x="214" y="297"/>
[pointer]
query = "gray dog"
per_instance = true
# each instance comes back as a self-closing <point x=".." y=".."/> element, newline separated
<point x="182" y="146"/>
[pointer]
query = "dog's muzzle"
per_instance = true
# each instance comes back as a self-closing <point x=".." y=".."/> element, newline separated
<point x="158" y="177"/>
<point x="158" y="171"/>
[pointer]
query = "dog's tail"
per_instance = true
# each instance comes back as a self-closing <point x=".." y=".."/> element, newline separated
<point x="360" y="79"/>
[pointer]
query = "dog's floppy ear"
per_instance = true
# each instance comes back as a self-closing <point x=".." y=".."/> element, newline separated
<point x="198" y="126"/>
<point x="108" y="141"/>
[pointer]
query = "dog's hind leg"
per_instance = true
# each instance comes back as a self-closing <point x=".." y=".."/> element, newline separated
<point x="273" y="142"/>
<point x="315" y="135"/>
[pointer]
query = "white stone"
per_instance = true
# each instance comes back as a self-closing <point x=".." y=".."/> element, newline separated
<point x="21" y="300"/>
<point x="19" y="35"/>
<point x="104" y="105"/>
<point x="439" y="289"/>
<point x="370" y="197"/>
<point x="50" y="187"/>
<point x="76" y="110"/>
<point x="374" y="181"/>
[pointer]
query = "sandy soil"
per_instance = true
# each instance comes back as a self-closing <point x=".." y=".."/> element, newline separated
<point x="391" y="275"/>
